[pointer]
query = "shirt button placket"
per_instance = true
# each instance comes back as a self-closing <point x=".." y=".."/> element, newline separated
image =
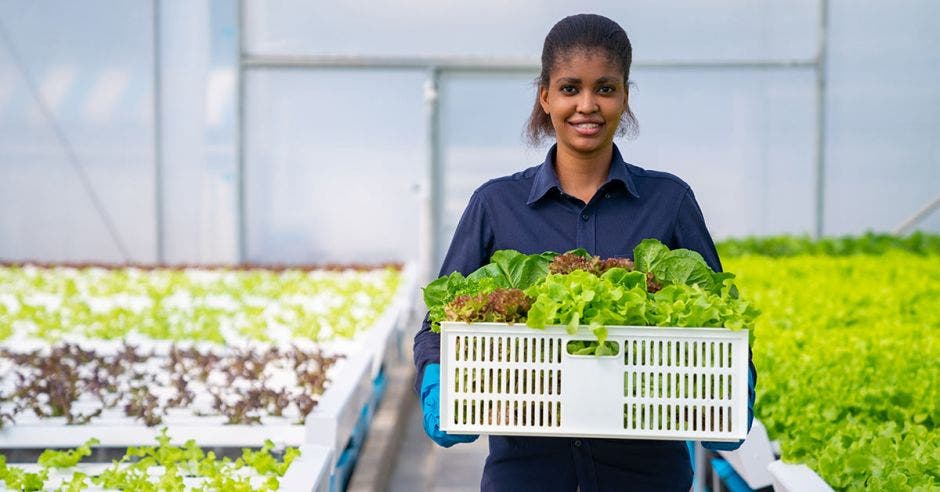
<point x="586" y="230"/>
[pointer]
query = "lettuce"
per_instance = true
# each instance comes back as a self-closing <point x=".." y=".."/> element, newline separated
<point x="66" y="459"/>
<point x="507" y="269"/>
<point x="848" y="353"/>
<point x="660" y="287"/>
<point x="678" y="266"/>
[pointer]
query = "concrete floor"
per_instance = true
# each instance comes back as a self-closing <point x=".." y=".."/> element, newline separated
<point x="422" y="466"/>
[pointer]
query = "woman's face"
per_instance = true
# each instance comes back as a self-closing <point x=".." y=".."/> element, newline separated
<point x="585" y="98"/>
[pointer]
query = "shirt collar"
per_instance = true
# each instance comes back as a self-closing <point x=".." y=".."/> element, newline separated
<point x="546" y="179"/>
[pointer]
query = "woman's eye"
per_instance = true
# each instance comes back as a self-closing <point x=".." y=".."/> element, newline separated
<point x="569" y="89"/>
<point x="605" y="89"/>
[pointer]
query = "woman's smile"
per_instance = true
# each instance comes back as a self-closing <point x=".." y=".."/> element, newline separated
<point x="587" y="128"/>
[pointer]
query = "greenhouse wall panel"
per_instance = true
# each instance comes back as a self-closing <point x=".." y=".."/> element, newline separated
<point x="335" y="163"/>
<point x="883" y="150"/>
<point x="95" y="125"/>
<point x="726" y="29"/>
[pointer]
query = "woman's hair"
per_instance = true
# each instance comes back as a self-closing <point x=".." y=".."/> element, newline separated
<point x="582" y="32"/>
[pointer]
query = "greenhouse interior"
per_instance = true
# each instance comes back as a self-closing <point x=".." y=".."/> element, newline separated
<point x="454" y="246"/>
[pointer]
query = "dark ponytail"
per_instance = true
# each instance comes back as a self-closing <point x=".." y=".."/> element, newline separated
<point x="586" y="32"/>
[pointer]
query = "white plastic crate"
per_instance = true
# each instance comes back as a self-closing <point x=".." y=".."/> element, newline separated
<point x="663" y="383"/>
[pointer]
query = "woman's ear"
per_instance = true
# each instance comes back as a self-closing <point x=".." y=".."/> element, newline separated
<point x="543" y="98"/>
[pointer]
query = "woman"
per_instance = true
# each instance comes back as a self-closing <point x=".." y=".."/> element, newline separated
<point x="582" y="196"/>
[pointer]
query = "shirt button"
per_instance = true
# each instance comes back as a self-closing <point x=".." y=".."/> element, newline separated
<point x="606" y="195"/>
<point x="577" y="443"/>
<point x="584" y="217"/>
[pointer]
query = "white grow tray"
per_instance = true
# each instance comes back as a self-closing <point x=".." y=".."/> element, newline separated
<point x="307" y="473"/>
<point x="329" y="424"/>
<point x="751" y="459"/>
<point x="384" y="332"/>
<point x="788" y="477"/>
<point x="664" y="383"/>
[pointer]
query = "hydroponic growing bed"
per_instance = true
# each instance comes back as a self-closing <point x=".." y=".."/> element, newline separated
<point x="847" y="349"/>
<point x="167" y="466"/>
<point x="225" y="358"/>
<point x="223" y="306"/>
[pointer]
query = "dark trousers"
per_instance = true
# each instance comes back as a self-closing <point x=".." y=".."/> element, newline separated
<point x="547" y="464"/>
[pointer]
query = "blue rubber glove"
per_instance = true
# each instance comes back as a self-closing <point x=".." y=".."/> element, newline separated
<point x="431" y="405"/>
<point x="731" y="446"/>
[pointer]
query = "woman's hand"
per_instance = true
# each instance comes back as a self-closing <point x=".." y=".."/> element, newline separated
<point x="431" y="405"/>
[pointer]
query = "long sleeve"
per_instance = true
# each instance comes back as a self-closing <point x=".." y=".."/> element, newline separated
<point x="470" y="249"/>
<point x="691" y="233"/>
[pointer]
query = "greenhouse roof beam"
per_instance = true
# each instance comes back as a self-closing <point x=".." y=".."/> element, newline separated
<point x="469" y="63"/>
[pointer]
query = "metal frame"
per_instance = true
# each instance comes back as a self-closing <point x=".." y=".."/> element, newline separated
<point x="820" y="66"/>
<point x="437" y="65"/>
<point x="158" y="136"/>
<point x="924" y="212"/>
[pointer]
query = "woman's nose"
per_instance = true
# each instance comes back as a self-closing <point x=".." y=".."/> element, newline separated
<point x="586" y="103"/>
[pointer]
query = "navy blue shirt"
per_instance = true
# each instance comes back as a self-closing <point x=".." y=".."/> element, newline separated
<point x="529" y="212"/>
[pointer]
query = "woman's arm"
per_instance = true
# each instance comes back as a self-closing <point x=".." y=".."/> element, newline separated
<point x="690" y="232"/>
<point x="470" y="249"/>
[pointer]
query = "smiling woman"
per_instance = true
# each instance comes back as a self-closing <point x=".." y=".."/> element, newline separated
<point x="583" y="95"/>
<point x="584" y="195"/>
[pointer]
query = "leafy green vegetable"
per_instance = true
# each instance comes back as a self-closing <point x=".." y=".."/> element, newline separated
<point x="581" y="298"/>
<point x="693" y="306"/>
<point x="50" y="303"/>
<point x="575" y="289"/>
<point x="498" y="306"/>
<point x="442" y="291"/>
<point x="158" y="468"/>
<point x="847" y="356"/>
<point x="16" y="478"/>
<point x="870" y="243"/>
<point x="68" y="458"/>
<point x="519" y="271"/>
<point x="592" y="347"/>
<point x="677" y="266"/>
<point x="507" y="269"/>
<point x="648" y="253"/>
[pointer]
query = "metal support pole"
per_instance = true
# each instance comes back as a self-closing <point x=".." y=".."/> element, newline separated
<point x="699" y="457"/>
<point x="240" y="139"/>
<point x="821" y="118"/>
<point x="434" y="173"/>
<point x="918" y="216"/>
<point x="489" y="65"/>
<point x="158" y="136"/>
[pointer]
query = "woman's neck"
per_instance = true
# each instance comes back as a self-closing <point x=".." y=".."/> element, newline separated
<point x="581" y="175"/>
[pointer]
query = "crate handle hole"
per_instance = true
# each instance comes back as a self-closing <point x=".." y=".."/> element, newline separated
<point x="592" y="348"/>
